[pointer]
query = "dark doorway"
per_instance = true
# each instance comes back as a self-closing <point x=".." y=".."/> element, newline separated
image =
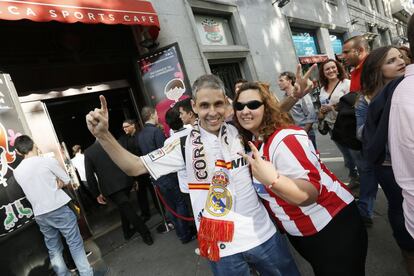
<point x="228" y="73"/>
<point x="68" y="118"/>
<point x="68" y="115"/>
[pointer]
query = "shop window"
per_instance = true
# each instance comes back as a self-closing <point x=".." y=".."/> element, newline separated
<point x="214" y="30"/>
<point x="305" y="42"/>
<point x="336" y="42"/>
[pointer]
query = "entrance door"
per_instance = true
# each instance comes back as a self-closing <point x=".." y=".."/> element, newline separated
<point x="67" y="115"/>
<point x="59" y="116"/>
<point x="228" y="73"/>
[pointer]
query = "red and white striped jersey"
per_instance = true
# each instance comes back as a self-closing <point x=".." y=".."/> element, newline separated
<point x="294" y="156"/>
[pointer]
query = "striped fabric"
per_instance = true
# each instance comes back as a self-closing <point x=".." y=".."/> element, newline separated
<point x="293" y="156"/>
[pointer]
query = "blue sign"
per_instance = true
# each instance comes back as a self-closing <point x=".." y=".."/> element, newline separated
<point x="336" y="45"/>
<point x="305" y="44"/>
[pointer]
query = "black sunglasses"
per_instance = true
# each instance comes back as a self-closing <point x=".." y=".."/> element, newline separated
<point x="252" y="105"/>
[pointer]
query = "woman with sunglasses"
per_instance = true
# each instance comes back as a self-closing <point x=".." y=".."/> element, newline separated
<point x="307" y="201"/>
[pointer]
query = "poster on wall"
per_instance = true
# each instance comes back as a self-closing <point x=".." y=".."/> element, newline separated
<point x="15" y="210"/>
<point x="305" y="44"/>
<point x="165" y="80"/>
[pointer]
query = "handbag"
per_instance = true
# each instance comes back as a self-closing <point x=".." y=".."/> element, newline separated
<point x="323" y="127"/>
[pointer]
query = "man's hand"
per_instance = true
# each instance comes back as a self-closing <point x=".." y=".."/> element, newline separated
<point x="101" y="199"/>
<point x="302" y="86"/>
<point x="262" y="170"/>
<point x="97" y="120"/>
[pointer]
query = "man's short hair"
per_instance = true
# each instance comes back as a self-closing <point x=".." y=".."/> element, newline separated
<point x="410" y="34"/>
<point x="129" y="121"/>
<point x="209" y="82"/>
<point x="146" y="113"/>
<point x="185" y="105"/>
<point x="358" y="41"/>
<point x="172" y="118"/>
<point x="289" y="75"/>
<point x="23" y="144"/>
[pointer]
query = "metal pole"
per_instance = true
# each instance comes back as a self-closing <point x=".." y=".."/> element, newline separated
<point x="161" y="210"/>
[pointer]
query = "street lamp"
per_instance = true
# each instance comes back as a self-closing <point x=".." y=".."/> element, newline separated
<point x="281" y="3"/>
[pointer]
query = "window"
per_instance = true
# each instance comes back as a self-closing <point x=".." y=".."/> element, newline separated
<point x="336" y="42"/>
<point x="214" y="30"/>
<point x="305" y="43"/>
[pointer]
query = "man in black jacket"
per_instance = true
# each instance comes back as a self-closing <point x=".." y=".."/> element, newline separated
<point x="130" y="142"/>
<point x="116" y="185"/>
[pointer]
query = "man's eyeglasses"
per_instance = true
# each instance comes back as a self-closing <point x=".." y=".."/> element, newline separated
<point x="252" y="105"/>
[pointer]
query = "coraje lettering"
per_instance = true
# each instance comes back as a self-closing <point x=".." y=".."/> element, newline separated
<point x="199" y="164"/>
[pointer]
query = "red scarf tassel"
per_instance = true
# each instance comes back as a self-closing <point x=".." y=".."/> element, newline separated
<point x="212" y="231"/>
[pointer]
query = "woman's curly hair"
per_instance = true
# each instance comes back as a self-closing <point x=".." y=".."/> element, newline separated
<point x="273" y="117"/>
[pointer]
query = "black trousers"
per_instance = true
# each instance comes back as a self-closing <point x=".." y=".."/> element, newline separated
<point x="145" y="186"/>
<point x="339" y="249"/>
<point x="128" y="215"/>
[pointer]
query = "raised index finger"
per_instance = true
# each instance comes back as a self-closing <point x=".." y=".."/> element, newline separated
<point x="104" y="106"/>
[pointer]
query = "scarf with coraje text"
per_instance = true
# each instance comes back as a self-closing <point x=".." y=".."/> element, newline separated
<point x="212" y="189"/>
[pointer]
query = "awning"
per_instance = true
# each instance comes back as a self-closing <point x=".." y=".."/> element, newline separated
<point x="313" y="59"/>
<point x="127" y="12"/>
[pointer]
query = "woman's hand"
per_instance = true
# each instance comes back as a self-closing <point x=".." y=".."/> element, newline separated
<point x="262" y="170"/>
<point x="325" y="108"/>
<point x="298" y="192"/>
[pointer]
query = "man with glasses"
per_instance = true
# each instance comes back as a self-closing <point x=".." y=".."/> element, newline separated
<point x="130" y="142"/>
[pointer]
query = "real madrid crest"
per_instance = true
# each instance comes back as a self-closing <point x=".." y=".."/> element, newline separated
<point x="219" y="201"/>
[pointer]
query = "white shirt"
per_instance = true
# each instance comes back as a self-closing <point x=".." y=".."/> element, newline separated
<point x="342" y="89"/>
<point x="181" y="174"/>
<point x="252" y="224"/>
<point x="79" y="162"/>
<point x="37" y="176"/>
<point x="401" y="142"/>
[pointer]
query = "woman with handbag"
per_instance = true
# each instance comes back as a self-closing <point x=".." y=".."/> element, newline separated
<point x="335" y="84"/>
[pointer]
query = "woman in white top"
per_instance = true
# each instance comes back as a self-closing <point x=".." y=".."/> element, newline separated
<point x="332" y="77"/>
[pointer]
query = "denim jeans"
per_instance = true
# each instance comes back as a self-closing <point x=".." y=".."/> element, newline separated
<point x="176" y="200"/>
<point x="271" y="258"/>
<point x="368" y="184"/>
<point x="349" y="160"/>
<point x="63" y="220"/>
<point x="394" y="196"/>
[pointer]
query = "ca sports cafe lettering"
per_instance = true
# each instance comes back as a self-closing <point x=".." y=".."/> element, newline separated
<point x="74" y="13"/>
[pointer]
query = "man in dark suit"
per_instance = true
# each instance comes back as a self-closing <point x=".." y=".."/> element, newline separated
<point x="130" y="142"/>
<point x="113" y="184"/>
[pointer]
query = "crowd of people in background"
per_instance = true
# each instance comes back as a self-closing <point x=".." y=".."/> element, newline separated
<point x="222" y="152"/>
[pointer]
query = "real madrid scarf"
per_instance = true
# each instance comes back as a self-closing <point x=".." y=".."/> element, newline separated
<point x="211" y="190"/>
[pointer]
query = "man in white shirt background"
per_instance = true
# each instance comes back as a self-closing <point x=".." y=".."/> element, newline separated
<point x="78" y="161"/>
<point x="41" y="179"/>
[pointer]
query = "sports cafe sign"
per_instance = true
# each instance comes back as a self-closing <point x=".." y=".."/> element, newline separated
<point x="127" y="12"/>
